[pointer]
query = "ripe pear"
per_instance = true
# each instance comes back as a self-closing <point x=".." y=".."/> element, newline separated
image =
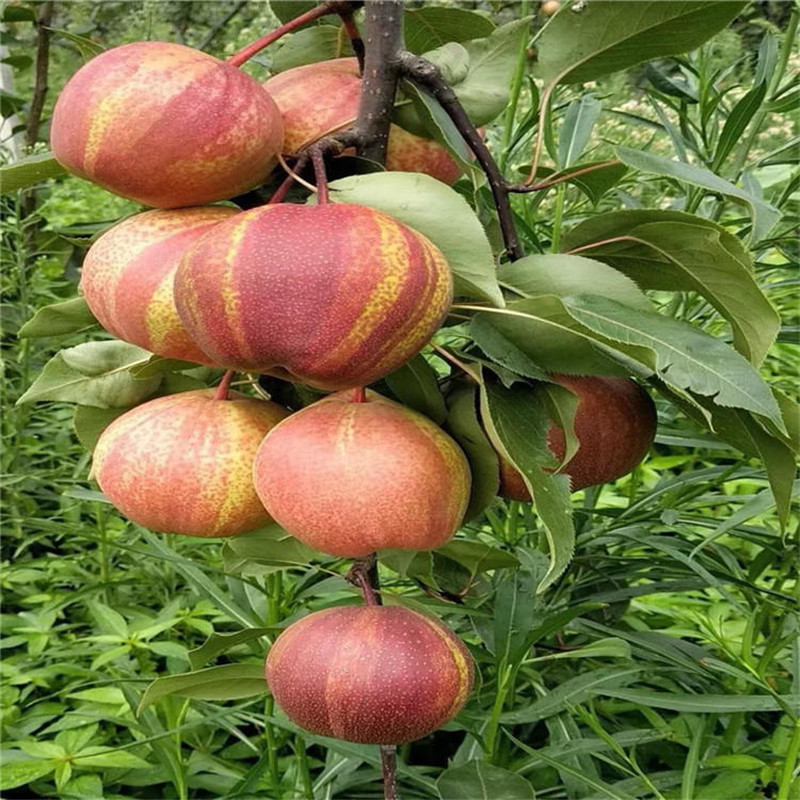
<point x="184" y="463"/>
<point x="166" y="125"/>
<point x="128" y="274"/>
<point x="351" y="477"/>
<point x="334" y="295"/>
<point x="369" y="674"/>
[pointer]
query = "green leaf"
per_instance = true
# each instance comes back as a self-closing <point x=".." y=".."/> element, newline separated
<point x="483" y="92"/>
<point x="478" y="557"/>
<point x="581" y="116"/>
<point x="89" y="422"/>
<point x="23" y="772"/>
<point x="432" y="26"/>
<point x="27" y="171"/>
<point x="436" y="211"/>
<point x="517" y="422"/>
<point x="310" y="45"/>
<point x="514" y="607"/>
<point x="741" y="429"/>
<point x="228" y="682"/>
<point x="18" y="13"/>
<point x="503" y="351"/>
<point x="69" y="316"/>
<point x="686" y="357"/>
<point x="700" y="703"/>
<point x="87" y="48"/>
<point x="479" y="780"/>
<point x="106" y="757"/>
<point x="738" y="761"/>
<point x="271" y="546"/>
<point x="222" y="642"/>
<point x="598" y="38"/>
<point x="564" y="275"/>
<point x="575" y="690"/>
<point x="611" y="647"/>
<point x="680" y="252"/>
<point x="93" y="374"/>
<point x="668" y="85"/>
<point x="542" y="329"/>
<point x="737" y="121"/>
<point x="415" y="385"/>
<point x="109" y="620"/>
<point x="465" y="427"/>
<point x="763" y="214"/>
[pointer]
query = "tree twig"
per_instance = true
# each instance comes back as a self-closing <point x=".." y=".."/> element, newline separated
<point x="40" y="80"/>
<point x="425" y="74"/>
<point x="220" y="25"/>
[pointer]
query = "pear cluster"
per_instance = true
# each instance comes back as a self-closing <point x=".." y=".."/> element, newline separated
<point x="333" y="296"/>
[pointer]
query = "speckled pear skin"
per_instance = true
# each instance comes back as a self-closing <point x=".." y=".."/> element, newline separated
<point x="128" y="273"/>
<point x="166" y="125"/>
<point x="349" y="478"/>
<point x="369" y="674"/>
<point x="336" y="295"/>
<point x="319" y="99"/>
<point x="184" y="463"/>
<point x="615" y="423"/>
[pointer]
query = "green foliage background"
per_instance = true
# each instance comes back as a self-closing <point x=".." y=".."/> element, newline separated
<point x="665" y="662"/>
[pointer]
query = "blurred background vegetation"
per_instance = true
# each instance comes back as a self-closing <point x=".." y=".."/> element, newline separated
<point x="662" y="660"/>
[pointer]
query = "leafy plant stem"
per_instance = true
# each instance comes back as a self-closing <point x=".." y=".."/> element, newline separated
<point x="269" y="741"/>
<point x="790" y="763"/>
<point x="503" y="684"/>
<point x="302" y="767"/>
<point x="105" y="572"/>
<point x="389" y="769"/>
<point x="516" y="88"/>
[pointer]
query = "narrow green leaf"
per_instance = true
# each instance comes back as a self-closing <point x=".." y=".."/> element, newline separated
<point x="575" y="690"/>
<point x="763" y="214"/>
<point x="478" y="557"/>
<point x="228" y="682"/>
<point x="87" y="48"/>
<point x="28" y="171"/>
<point x="310" y="45"/>
<point x="581" y="116"/>
<point x="222" y="642"/>
<point x="436" y="211"/>
<point x="700" y="703"/>
<point x="273" y="546"/>
<point x="104" y="757"/>
<point x="58" y="319"/>
<point x="737" y="122"/>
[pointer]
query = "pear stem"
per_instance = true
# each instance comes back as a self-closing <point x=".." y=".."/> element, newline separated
<point x="283" y="189"/>
<point x="318" y="160"/>
<point x="389" y="768"/>
<point x="224" y="385"/>
<point x="359" y="395"/>
<point x="364" y="575"/>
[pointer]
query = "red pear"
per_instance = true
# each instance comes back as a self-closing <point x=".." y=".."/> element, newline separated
<point x="128" y="274"/>
<point x="369" y="674"/>
<point x="334" y="295"/>
<point x="184" y="463"/>
<point x="319" y="99"/>
<point x="166" y="125"/>
<point x="615" y="424"/>
<point x="349" y="477"/>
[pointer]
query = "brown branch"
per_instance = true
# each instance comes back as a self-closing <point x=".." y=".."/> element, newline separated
<point x="383" y="27"/>
<point x="427" y="75"/>
<point x="40" y="81"/>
